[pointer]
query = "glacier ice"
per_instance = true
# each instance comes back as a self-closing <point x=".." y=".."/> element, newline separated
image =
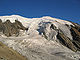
<point x="33" y="45"/>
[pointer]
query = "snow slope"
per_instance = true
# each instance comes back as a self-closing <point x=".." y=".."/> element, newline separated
<point x="33" y="45"/>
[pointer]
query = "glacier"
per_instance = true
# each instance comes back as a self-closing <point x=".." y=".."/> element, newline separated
<point x="34" y="45"/>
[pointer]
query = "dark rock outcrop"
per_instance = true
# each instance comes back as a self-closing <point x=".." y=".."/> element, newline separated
<point x="66" y="41"/>
<point x="75" y="33"/>
<point x="2" y="28"/>
<point x="76" y="36"/>
<point x="76" y="26"/>
<point x="52" y="26"/>
<point x="9" y="29"/>
<point x="72" y="44"/>
<point x="19" y="25"/>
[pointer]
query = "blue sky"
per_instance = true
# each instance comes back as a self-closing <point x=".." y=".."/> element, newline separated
<point x="63" y="9"/>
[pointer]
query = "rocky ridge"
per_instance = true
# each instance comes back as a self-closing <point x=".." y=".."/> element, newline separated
<point x="8" y="28"/>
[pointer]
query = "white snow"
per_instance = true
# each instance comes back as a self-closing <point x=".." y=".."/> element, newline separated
<point x="33" y="45"/>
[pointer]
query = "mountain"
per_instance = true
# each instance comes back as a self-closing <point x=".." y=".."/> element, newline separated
<point x="44" y="38"/>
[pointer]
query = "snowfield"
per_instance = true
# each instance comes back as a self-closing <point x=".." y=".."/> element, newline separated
<point x="32" y="43"/>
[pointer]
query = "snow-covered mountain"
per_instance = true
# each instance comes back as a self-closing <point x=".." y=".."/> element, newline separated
<point x="47" y="38"/>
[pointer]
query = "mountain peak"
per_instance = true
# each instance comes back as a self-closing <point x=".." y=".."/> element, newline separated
<point x="41" y="38"/>
<point x="46" y="17"/>
<point x="16" y="16"/>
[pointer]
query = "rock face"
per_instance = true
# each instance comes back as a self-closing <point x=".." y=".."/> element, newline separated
<point x="1" y="26"/>
<point x="19" y="25"/>
<point x="46" y="38"/>
<point x="8" y="28"/>
<point x="76" y="35"/>
<point x="66" y="41"/>
<point x="50" y="32"/>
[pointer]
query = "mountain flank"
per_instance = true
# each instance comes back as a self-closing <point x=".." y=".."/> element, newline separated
<point x="7" y="53"/>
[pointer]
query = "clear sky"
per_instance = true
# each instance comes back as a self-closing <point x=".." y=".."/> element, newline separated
<point x="64" y="9"/>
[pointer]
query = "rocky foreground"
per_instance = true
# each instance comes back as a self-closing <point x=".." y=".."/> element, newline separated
<point x="9" y="54"/>
<point x="43" y="38"/>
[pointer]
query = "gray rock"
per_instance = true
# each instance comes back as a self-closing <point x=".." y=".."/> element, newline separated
<point x="9" y="29"/>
